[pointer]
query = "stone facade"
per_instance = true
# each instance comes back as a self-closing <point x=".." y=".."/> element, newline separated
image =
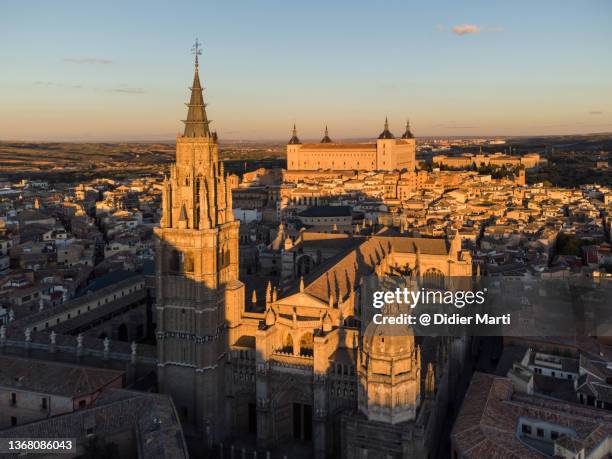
<point x="387" y="153"/>
<point x="197" y="275"/>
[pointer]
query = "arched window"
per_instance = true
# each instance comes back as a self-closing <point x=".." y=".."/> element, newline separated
<point x="433" y="278"/>
<point x="288" y="344"/>
<point x="307" y="344"/>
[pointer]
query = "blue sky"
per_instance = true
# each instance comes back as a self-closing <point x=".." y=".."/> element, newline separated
<point x="120" y="70"/>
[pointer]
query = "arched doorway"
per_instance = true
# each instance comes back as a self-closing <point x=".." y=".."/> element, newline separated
<point x="292" y="416"/>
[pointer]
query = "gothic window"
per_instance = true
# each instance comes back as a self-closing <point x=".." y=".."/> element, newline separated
<point x="306" y="344"/>
<point x="433" y="278"/>
<point x="288" y="344"/>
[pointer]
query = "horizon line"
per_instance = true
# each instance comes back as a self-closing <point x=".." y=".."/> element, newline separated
<point x="283" y="141"/>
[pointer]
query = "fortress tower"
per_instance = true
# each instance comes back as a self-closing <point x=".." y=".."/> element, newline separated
<point x="197" y="274"/>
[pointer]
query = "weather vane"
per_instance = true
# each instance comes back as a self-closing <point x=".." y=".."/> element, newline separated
<point x="196" y="49"/>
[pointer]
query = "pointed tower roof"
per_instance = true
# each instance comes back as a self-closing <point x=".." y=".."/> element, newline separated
<point x="386" y="134"/>
<point x="294" y="139"/>
<point x="326" y="138"/>
<point x="183" y="214"/>
<point x="197" y="123"/>
<point x="408" y="134"/>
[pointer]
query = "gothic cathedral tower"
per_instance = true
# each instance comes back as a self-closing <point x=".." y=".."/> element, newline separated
<point x="197" y="275"/>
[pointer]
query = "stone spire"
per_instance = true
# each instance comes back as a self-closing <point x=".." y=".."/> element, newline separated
<point x="269" y="293"/>
<point x="408" y="134"/>
<point x="197" y="123"/>
<point x="386" y="134"/>
<point x="294" y="139"/>
<point x="326" y="138"/>
<point x="430" y="381"/>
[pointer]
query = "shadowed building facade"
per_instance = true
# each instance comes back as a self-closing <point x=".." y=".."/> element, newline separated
<point x="386" y="154"/>
<point x="197" y="274"/>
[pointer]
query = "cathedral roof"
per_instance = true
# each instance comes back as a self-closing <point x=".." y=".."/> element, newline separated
<point x="302" y="299"/>
<point x="386" y="134"/>
<point x="197" y="123"/>
<point x="339" y="275"/>
<point x="425" y="246"/>
<point x="389" y="340"/>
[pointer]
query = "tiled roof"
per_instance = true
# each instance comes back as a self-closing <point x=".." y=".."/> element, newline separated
<point x="340" y="275"/>
<point x="53" y="378"/>
<point x="150" y="418"/>
<point x="489" y="418"/>
<point x="327" y="211"/>
<point x="338" y="146"/>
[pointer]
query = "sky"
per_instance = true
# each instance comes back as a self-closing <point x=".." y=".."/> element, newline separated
<point x="120" y="70"/>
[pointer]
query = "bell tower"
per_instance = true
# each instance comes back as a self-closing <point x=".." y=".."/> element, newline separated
<point x="197" y="274"/>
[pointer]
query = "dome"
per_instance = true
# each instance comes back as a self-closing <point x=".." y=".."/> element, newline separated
<point x="294" y="138"/>
<point x="386" y="133"/>
<point x="388" y="340"/>
<point x="326" y="138"/>
<point x="408" y="133"/>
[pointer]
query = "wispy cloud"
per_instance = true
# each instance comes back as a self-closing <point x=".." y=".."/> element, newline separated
<point x="87" y="60"/>
<point x="122" y="88"/>
<point x="55" y="84"/>
<point x="595" y="112"/>
<point x="467" y="29"/>
<point x="128" y="90"/>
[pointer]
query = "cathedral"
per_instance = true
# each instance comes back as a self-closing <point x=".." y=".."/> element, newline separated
<point x="307" y="373"/>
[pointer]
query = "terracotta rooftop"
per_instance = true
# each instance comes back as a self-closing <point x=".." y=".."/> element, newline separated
<point x="338" y="146"/>
<point x="150" y="418"/>
<point x="489" y="417"/>
<point x="53" y="378"/>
